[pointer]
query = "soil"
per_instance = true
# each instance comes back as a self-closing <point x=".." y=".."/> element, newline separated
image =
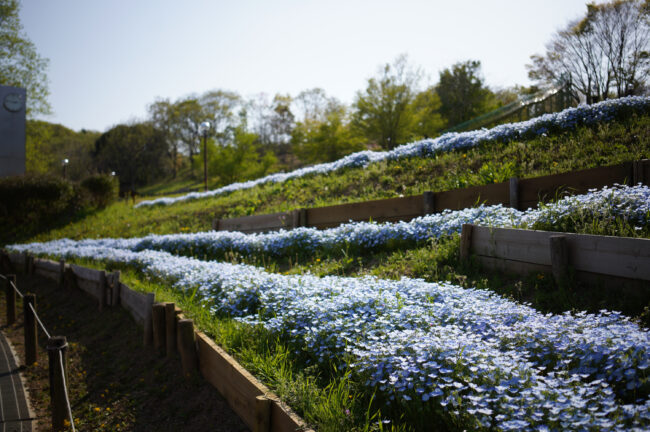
<point x="114" y="382"/>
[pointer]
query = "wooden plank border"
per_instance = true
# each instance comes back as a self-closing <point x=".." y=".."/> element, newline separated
<point x="516" y="193"/>
<point x="238" y="386"/>
<point x="525" y="251"/>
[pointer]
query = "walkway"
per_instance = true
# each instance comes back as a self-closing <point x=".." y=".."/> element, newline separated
<point x="15" y="414"/>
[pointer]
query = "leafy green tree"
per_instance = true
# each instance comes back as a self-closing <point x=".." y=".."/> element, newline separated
<point x="327" y="140"/>
<point x="137" y="153"/>
<point x="47" y="144"/>
<point x="241" y="159"/>
<point x="462" y="92"/>
<point x="426" y="108"/>
<point x="383" y="111"/>
<point x="20" y="63"/>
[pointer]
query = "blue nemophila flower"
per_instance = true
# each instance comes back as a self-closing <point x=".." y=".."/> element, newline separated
<point x="562" y="121"/>
<point x="469" y="351"/>
<point x="632" y="203"/>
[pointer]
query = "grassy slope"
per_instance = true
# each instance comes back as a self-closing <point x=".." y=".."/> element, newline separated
<point x="587" y="147"/>
<point x="320" y="396"/>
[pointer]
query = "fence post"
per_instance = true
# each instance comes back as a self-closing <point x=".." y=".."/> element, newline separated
<point x="187" y="346"/>
<point x="429" y="201"/>
<point x="147" y="339"/>
<point x="61" y="274"/>
<point x="115" y="288"/>
<point x="465" y="241"/>
<point x="262" y="414"/>
<point x="30" y="329"/>
<point x="559" y="258"/>
<point x="170" y="328"/>
<point x="102" y="290"/>
<point x="10" y="295"/>
<point x="159" y="329"/>
<point x="56" y="345"/>
<point x="514" y="192"/>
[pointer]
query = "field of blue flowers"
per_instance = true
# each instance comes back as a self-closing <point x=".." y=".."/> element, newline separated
<point x="482" y="360"/>
<point x="569" y="119"/>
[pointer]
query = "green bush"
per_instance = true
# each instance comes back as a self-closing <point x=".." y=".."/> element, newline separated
<point x="101" y="189"/>
<point x="30" y="204"/>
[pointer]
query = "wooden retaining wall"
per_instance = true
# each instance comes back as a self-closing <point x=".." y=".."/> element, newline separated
<point x="246" y="395"/>
<point x="609" y="259"/>
<point x="516" y="193"/>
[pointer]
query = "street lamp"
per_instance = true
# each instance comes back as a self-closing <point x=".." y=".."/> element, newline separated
<point x="65" y="163"/>
<point x="204" y="128"/>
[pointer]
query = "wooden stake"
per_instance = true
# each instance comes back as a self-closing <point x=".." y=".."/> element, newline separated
<point x="56" y="345"/>
<point x="159" y="329"/>
<point x="11" y="299"/>
<point x="187" y="346"/>
<point x="429" y="201"/>
<point x="262" y="414"/>
<point x="170" y="328"/>
<point x="31" y="354"/>
<point x="102" y="290"/>
<point x="559" y="258"/>
<point x="465" y="241"/>
<point x="514" y="192"/>
<point x="148" y="320"/>
<point x="61" y="274"/>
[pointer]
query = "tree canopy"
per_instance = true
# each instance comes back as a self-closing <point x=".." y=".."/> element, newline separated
<point x="605" y="54"/>
<point x="20" y="63"/>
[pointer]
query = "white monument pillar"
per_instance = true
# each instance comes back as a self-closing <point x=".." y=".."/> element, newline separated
<point x="12" y="131"/>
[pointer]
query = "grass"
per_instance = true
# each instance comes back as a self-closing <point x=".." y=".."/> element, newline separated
<point x="332" y="399"/>
<point x="328" y="398"/>
<point x="606" y="144"/>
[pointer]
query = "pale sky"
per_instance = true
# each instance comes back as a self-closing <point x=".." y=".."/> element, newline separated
<point x="109" y="59"/>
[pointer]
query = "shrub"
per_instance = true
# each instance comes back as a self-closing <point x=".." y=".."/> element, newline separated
<point x="102" y="189"/>
<point x="30" y="204"/>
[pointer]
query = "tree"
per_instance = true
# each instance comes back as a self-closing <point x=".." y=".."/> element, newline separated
<point x="462" y="93"/>
<point x="242" y="159"/>
<point x="602" y="55"/>
<point x="426" y="108"/>
<point x="382" y="113"/>
<point x="326" y="136"/>
<point x="163" y="115"/>
<point x="20" y="63"/>
<point x="137" y="153"/>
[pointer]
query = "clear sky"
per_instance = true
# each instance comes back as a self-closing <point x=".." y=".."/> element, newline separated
<point x="110" y="58"/>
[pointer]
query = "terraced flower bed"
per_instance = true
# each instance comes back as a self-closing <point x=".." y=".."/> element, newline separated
<point x="460" y="358"/>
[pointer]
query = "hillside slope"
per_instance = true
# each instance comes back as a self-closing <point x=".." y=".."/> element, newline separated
<point x="604" y="144"/>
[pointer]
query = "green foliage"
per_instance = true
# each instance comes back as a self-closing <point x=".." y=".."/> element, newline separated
<point x="382" y="112"/>
<point x="462" y="92"/>
<point x="103" y="189"/>
<point x="428" y="120"/>
<point x="241" y="160"/>
<point x="136" y="153"/>
<point x="20" y="63"/>
<point x="29" y="204"/>
<point x="607" y="144"/>
<point x="47" y="144"/>
<point x="325" y="141"/>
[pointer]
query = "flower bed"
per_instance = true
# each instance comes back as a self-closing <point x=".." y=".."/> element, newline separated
<point x="557" y="122"/>
<point x="485" y="361"/>
<point x="631" y="203"/>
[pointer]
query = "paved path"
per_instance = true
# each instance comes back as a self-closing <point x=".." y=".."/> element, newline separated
<point x="15" y="415"/>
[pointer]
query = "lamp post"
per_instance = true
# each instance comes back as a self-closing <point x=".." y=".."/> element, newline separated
<point x="204" y="128"/>
<point x="65" y="163"/>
